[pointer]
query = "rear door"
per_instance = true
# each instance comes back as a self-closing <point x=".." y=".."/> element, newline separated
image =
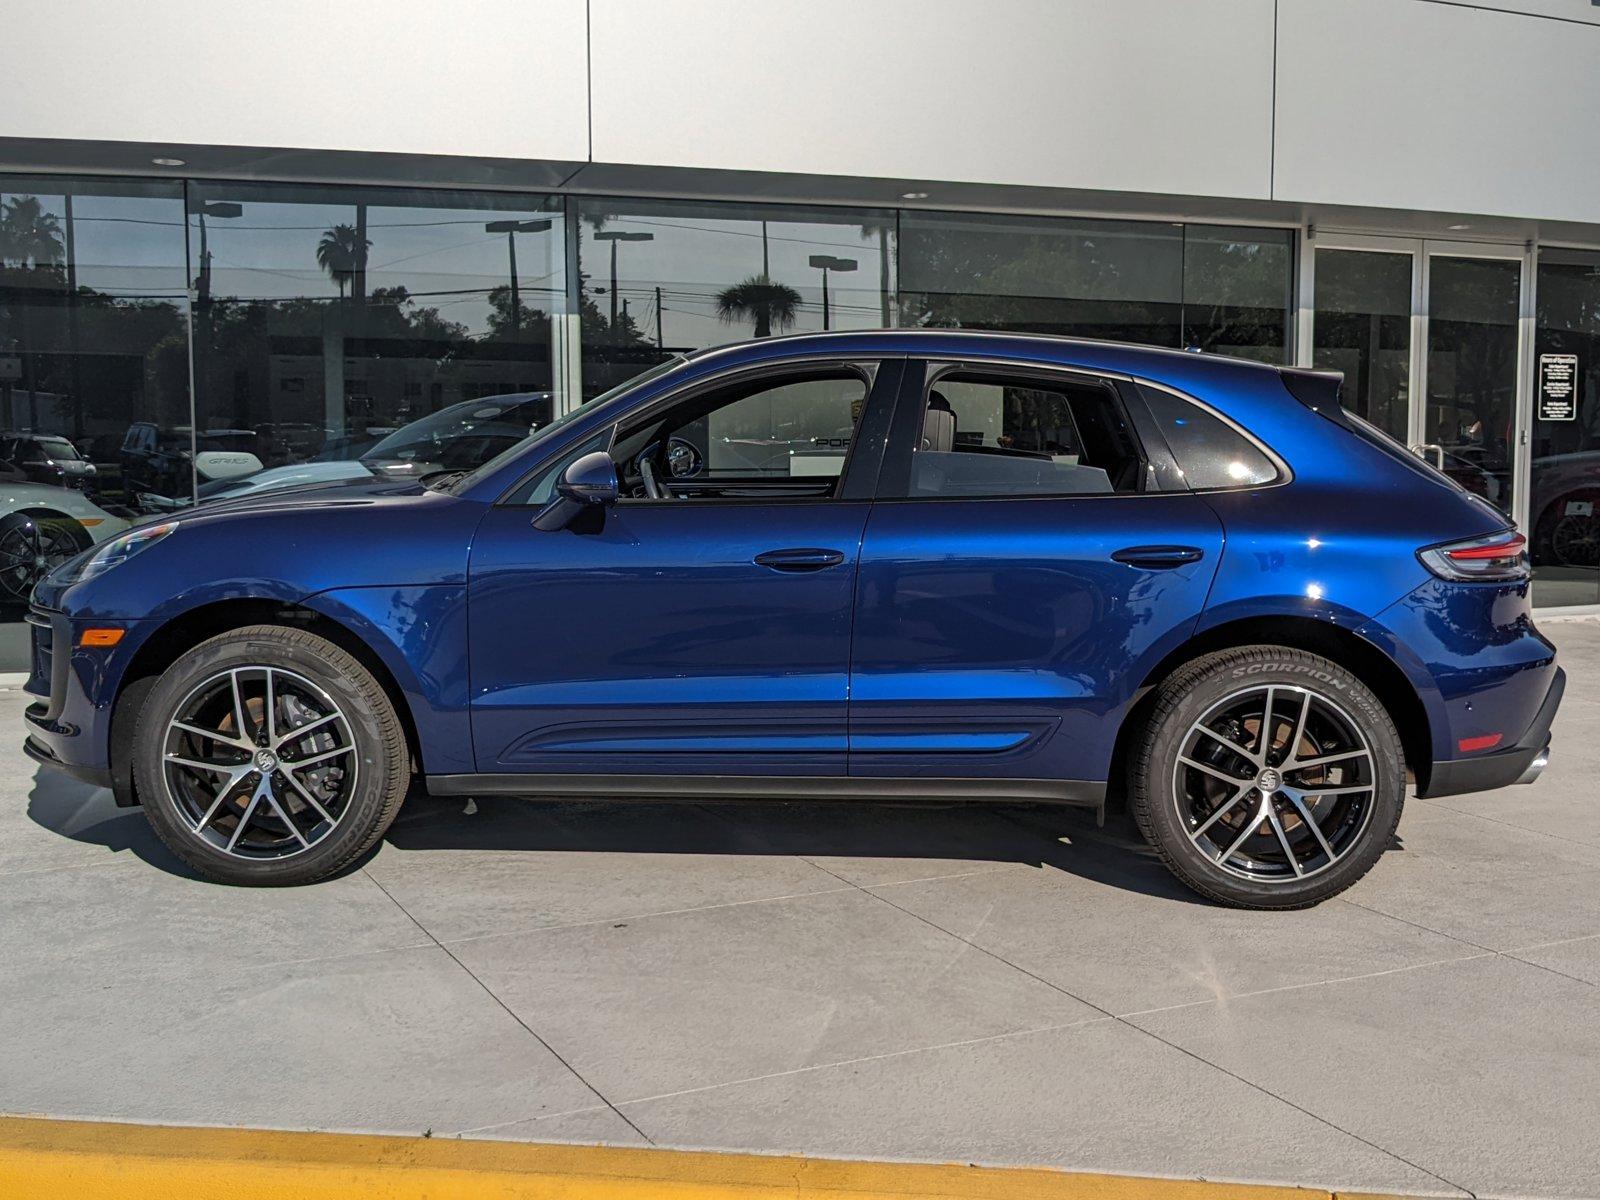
<point x="1021" y="569"/>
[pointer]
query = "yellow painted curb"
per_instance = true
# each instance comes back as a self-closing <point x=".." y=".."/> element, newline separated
<point x="52" y="1160"/>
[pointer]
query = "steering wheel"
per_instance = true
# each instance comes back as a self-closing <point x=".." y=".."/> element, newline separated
<point x="648" y="477"/>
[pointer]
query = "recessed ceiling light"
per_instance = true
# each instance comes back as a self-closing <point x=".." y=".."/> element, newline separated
<point x="1458" y="226"/>
<point x="169" y="162"/>
<point x="913" y="195"/>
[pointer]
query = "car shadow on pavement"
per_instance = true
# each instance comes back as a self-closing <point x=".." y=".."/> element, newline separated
<point x="963" y="835"/>
<point x="88" y="814"/>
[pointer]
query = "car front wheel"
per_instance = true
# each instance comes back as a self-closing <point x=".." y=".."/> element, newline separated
<point x="270" y="756"/>
<point x="31" y="546"/>
<point x="1268" y="777"/>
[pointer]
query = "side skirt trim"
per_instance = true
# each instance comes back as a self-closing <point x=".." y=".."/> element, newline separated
<point x="1089" y="793"/>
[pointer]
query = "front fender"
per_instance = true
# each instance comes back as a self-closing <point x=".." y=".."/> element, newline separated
<point x="420" y="634"/>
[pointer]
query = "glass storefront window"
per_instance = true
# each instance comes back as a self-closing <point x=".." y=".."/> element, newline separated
<point x="343" y="332"/>
<point x="1469" y="422"/>
<point x="1119" y="280"/>
<point x="93" y="343"/>
<point x="1214" y="288"/>
<point x="1236" y="291"/>
<point x="1564" y="505"/>
<point x="661" y="277"/>
<point x="1362" y="326"/>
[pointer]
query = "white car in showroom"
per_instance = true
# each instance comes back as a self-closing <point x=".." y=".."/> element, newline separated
<point x="41" y="526"/>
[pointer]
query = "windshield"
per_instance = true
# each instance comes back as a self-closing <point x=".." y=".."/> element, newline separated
<point x="59" y="448"/>
<point x="485" y="422"/>
<point x="538" y="435"/>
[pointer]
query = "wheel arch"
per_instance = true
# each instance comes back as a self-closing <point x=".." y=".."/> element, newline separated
<point x="1375" y="669"/>
<point x="183" y="632"/>
<point x="39" y="511"/>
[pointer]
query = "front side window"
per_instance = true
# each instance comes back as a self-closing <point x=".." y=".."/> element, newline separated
<point x="1210" y="453"/>
<point x="784" y="436"/>
<point x="992" y="436"/>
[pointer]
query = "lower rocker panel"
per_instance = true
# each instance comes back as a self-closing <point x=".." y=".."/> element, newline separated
<point x="765" y="787"/>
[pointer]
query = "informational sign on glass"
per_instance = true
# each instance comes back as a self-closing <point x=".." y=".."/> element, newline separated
<point x="1558" y="387"/>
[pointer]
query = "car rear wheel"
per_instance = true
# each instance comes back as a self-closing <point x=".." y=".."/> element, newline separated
<point x="1268" y="777"/>
<point x="270" y="756"/>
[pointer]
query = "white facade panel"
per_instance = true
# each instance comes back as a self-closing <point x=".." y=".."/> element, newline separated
<point x="1565" y="10"/>
<point x="1139" y="95"/>
<point x="496" y="78"/>
<point x="1438" y="107"/>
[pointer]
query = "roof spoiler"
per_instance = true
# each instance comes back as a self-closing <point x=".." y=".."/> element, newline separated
<point x="1317" y="390"/>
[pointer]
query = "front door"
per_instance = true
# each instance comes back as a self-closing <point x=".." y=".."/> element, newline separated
<point x="1020" y="572"/>
<point x="1427" y="335"/>
<point x="702" y="625"/>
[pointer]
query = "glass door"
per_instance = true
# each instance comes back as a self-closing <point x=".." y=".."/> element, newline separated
<point x="1468" y="425"/>
<point x="1563" y="523"/>
<point x="1365" y="296"/>
<point x="1429" y="337"/>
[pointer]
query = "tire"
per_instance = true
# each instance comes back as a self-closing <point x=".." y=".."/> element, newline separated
<point x="235" y="807"/>
<point x="1563" y="541"/>
<point x="32" y="544"/>
<point x="1200" y="762"/>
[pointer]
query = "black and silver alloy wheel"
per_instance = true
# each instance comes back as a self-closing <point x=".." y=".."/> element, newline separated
<point x="31" y="547"/>
<point x="269" y="756"/>
<point x="1274" y="783"/>
<point x="1267" y="777"/>
<point x="260" y="762"/>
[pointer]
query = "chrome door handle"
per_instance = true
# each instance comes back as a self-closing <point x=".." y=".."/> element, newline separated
<point x="1158" y="558"/>
<point x="1425" y="450"/>
<point x="800" y="559"/>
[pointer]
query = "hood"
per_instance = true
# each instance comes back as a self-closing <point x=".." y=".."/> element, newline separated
<point x="337" y="493"/>
<point x="275" y="478"/>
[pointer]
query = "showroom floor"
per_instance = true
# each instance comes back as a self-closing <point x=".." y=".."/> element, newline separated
<point x="985" y="984"/>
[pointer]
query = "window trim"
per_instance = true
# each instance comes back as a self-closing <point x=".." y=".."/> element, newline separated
<point x="913" y="399"/>
<point x="1285" y="473"/>
<point x="882" y="382"/>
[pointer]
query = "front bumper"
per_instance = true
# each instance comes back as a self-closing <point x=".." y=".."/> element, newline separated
<point x="37" y="750"/>
<point x="71" y="687"/>
<point x="1520" y="763"/>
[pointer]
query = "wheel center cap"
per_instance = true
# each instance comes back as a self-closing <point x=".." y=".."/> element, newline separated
<point x="266" y="761"/>
<point x="1269" y="780"/>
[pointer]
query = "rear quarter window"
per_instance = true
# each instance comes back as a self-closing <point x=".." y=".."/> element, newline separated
<point x="1211" y="453"/>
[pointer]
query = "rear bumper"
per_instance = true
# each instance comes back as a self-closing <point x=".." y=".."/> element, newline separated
<point x="1520" y="763"/>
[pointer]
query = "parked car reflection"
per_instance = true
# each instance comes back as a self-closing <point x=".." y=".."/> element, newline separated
<point x="41" y="527"/>
<point x="457" y="438"/>
<point x="160" y="466"/>
<point x="49" y="459"/>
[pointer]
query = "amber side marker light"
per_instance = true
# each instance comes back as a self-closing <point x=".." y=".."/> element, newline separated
<point x="101" y="637"/>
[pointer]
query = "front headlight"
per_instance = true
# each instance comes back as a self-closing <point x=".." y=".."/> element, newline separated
<point x="113" y="553"/>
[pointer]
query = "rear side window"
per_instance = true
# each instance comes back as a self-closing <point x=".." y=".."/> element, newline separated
<point x="992" y="436"/>
<point x="1211" y="453"/>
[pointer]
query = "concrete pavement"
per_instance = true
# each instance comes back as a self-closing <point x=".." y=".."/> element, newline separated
<point x="1003" y="985"/>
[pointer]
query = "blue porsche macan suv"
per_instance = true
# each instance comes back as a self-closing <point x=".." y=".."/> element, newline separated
<point x="911" y="563"/>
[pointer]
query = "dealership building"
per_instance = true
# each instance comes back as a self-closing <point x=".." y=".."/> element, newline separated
<point x="242" y="237"/>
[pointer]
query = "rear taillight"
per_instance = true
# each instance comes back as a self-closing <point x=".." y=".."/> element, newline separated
<point x="1497" y="558"/>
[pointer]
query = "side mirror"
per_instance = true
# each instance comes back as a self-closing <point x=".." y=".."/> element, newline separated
<point x="587" y="482"/>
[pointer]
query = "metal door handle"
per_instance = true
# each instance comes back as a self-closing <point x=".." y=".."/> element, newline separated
<point x="1158" y="558"/>
<point x="800" y="559"/>
<point x="1425" y="450"/>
